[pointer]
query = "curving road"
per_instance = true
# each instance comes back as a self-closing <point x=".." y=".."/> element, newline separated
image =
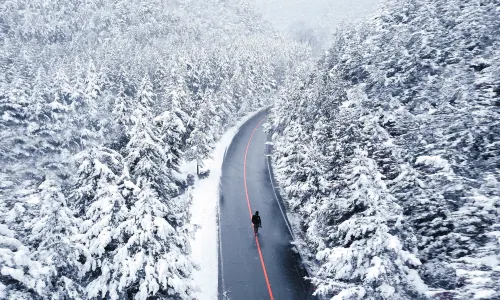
<point x="251" y="268"/>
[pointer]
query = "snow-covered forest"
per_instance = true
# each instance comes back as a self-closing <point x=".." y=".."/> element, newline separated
<point x="388" y="154"/>
<point x="100" y="102"/>
<point x="386" y="151"/>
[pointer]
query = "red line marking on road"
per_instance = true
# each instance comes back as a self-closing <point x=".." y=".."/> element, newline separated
<point x="250" y="210"/>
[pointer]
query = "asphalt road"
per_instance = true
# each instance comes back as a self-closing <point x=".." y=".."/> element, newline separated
<point x="252" y="268"/>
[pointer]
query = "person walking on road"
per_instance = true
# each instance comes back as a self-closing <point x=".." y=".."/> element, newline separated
<point x="256" y="222"/>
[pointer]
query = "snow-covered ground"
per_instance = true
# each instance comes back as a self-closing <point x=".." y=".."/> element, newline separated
<point x="204" y="211"/>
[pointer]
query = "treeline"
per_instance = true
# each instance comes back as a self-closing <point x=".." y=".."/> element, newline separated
<point x="100" y="101"/>
<point x="389" y="154"/>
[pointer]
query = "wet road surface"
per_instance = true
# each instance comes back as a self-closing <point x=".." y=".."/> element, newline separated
<point x="251" y="268"/>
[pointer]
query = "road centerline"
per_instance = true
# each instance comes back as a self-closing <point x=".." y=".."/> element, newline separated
<point x="250" y="209"/>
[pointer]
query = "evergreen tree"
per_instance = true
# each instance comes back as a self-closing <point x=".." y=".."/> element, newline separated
<point x="100" y="236"/>
<point x="148" y="158"/>
<point x="22" y="277"/>
<point x="172" y="132"/>
<point x="364" y="257"/>
<point x="182" y="105"/>
<point x="200" y="142"/>
<point x="52" y="232"/>
<point x="145" y="102"/>
<point x="153" y="261"/>
<point x="89" y="173"/>
<point x="121" y="111"/>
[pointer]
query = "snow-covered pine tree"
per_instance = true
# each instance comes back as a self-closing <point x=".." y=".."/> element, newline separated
<point x="478" y="239"/>
<point x="198" y="146"/>
<point x="49" y="127"/>
<point x="225" y="106"/>
<point x="89" y="173"/>
<point x="20" y="276"/>
<point x="180" y="98"/>
<point x="98" y="198"/>
<point x="154" y="233"/>
<point x="477" y="220"/>
<point x="14" y="108"/>
<point x="200" y="142"/>
<point x="147" y="157"/>
<point x="309" y="178"/>
<point x="154" y="258"/>
<point x="144" y="106"/>
<point x="121" y="111"/>
<point x="181" y="104"/>
<point x="99" y="236"/>
<point x="364" y="257"/>
<point x="159" y="83"/>
<point x="288" y="165"/>
<point x="52" y="234"/>
<point x="61" y="88"/>
<point x="171" y="130"/>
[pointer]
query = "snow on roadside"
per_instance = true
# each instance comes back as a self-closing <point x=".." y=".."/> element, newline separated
<point x="204" y="211"/>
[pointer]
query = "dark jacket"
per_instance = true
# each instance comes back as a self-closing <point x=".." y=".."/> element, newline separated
<point x="256" y="220"/>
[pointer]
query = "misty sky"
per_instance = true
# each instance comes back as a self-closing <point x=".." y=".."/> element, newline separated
<point x="314" y="12"/>
<point x="320" y="15"/>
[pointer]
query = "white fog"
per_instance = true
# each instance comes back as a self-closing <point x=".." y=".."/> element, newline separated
<point x="315" y="19"/>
